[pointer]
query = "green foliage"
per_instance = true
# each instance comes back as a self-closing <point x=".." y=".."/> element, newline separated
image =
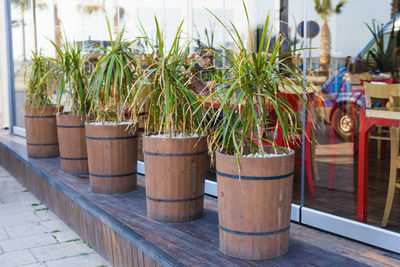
<point x="24" y="5"/>
<point x="164" y="88"/>
<point x="251" y="90"/>
<point x="209" y="33"/>
<point x="258" y="36"/>
<point x="324" y="9"/>
<point x="38" y="93"/>
<point x="112" y="79"/>
<point x="43" y="209"/>
<point x="72" y="240"/>
<point x="385" y="51"/>
<point x="70" y="76"/>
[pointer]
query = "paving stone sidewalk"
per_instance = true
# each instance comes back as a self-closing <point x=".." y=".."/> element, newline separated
<point x="33" y="236"/>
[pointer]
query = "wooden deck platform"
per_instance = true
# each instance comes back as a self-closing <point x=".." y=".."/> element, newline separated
<point x="117" y="226"/>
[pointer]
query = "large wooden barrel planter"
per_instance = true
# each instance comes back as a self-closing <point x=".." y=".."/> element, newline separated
<point x="175" y="173"/>
<point x="41" y="132"/>
<point x="72" y="142"/>
<point x="112" y="156"/>
<point x="254" y="209"/>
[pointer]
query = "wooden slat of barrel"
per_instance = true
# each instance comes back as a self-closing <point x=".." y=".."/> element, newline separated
<point x="175" y="172"/>
<point x="140" y="155"/>
<point x="254" y="211"/>
<point x="41" y="132"/>
<point x="72" y="142"/>
<point x="112" y="158"/>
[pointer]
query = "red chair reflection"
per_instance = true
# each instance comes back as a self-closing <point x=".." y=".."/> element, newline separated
<point x="295" y="102"/>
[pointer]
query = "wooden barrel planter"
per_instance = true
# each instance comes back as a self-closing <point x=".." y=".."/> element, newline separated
<point x="41" y="132"/>
<point x="254" y="210"/>
<point x="175" y="173"/>
<point x="112" y="156"/>
<point x="72" y="142"/>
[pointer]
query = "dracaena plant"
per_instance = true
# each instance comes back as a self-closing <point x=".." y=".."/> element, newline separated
<point x="251" y="94"/>
<point x="38" y="93"/>
<point x="70" y="77"/>
<point x="385" y="51"/>
<point x="112" y="79"/>
<point x="165" y="90"/>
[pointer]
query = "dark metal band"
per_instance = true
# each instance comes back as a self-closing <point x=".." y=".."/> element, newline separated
<point x="68" y="126"/>
<point x="175" y="200"/>
<point x="73" y="158"/>
<point x="31" y="144"/>
<point x="255" y="178"/>
<point x="112" y="138"/>
<point x="253" y="234"/>
<point x="112" y="175"/>
<point x="174" y="155"/>
<point x="39" y="117"/>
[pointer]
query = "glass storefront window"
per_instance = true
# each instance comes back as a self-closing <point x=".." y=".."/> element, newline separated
<point x="22" y="45"/>
<point x="337" y="65"/>
<point x="337" y="180"/>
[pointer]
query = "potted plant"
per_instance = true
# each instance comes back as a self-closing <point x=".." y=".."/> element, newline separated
<point x="112" y="141"/>
<point x="385" y="53"/>
<point x="254" y="175"/>
<point x="175" y="151"/>
<point x="71" y="80"/>
<point x="40" y="119"/>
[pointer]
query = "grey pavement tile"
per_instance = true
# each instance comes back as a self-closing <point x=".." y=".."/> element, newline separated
<point x="16" y="209"/>
<point x="87" y="260"/>
<point x="18" y="219"/>
<point x="58" y="251"/>
<point x="46" y="215"/>
<point x="65" y="236"/>
<point x="3" y="234"/>
<point x="27" y="242"/>
<point x="20" y="207"/>
<point x="3" y="172"/>
<point x="17" y="197"/>
<point x="39" y="264"/>
<point x="10" y="186"/>
<point x="29" y="232"/>
<point x="16" y="258"/>
<point x="26" y="230"/>
<point x="7" y="179"/>
<point x="55" y="225"/>
<point x="19" y="204"/>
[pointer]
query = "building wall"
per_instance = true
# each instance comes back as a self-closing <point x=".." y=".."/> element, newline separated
<point x="4" y="84"/>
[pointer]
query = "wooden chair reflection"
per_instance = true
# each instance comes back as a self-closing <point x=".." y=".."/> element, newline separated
<point x="356" y="79"/>
<point x="394" y="162"/>
<point x="389" y="92"/>
<point x="380" y="134"/>
<point x="357" y="90"/>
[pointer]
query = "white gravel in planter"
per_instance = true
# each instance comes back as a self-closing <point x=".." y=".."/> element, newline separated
<point x="267" y="155"/>
<point x="178" y="136"/>
<point x="111" y="123"/>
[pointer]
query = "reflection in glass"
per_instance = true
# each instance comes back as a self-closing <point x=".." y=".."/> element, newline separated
<point x="340" y="76"/>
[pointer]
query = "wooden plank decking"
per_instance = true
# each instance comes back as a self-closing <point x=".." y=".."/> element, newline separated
<point x="118" y="228"/>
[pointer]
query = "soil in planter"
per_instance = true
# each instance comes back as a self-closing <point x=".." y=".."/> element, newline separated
<point x="72" y="139"/>
<point x="41" y="132"/>
<point x="254" y="210"/>
<point x="175" y="172"/>
<point x="112" y="155"/>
